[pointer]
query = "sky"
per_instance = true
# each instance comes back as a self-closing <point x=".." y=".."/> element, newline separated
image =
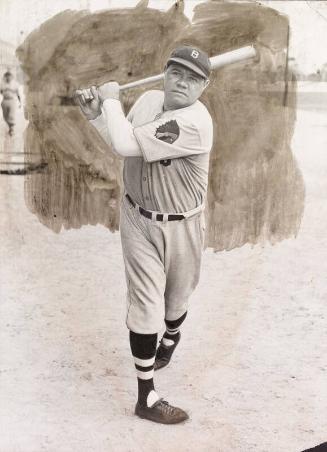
<point x="308" y="24"/>
<point x="308" y="21"/>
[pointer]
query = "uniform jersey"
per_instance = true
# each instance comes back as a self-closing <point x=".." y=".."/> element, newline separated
<point x="9" y="103"/>
<point x="9" y="90"/>
<point x="172" y="176"/>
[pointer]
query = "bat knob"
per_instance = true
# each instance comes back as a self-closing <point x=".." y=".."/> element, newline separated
<point x="84" y="95"/>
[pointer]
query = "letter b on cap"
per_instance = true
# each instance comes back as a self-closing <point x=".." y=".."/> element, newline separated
<point x="194" y="53"/>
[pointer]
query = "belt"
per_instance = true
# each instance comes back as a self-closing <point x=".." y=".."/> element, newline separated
<point x="157" y="216"/>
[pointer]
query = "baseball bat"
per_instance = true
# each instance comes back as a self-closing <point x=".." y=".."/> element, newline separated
<point x="218" y="61"/>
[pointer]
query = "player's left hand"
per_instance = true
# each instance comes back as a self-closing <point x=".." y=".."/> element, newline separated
<point x="109" y="90"/>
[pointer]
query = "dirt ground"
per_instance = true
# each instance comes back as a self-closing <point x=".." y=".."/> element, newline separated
<point x="251" y="366"/>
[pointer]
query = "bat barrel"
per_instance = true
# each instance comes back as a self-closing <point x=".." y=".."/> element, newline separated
<point x="233" y="56"/>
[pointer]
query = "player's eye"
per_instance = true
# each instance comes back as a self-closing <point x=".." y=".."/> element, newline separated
<point x="193" y="80"/>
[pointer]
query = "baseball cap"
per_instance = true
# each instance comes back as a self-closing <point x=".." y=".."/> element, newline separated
<point x="193" y="58"/>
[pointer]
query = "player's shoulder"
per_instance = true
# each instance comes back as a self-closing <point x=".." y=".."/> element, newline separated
<point x="151" y="95"/>
<point x="149" y="98"/>
<point x="198" y="109"/>
<point x="147" y="103"/>
<point x="198" y="115"/>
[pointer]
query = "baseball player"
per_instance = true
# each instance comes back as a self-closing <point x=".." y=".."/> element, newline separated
<point x="165" y="139"/>
<point x="10" y="92"/>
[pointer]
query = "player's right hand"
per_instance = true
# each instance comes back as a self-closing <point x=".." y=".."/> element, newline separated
<point x="90" y="108"/>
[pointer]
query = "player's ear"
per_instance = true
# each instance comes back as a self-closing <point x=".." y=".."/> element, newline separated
<point x="206" y="83"/>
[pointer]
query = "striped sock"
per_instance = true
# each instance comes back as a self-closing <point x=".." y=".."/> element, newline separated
<point x="172" y="330"/>
<point x="143" y="348"/>
<point x="170" y="336"/>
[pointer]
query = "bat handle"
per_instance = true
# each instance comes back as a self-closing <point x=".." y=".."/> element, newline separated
<point x="145" y="81"/>
<point x="233" y="56"/>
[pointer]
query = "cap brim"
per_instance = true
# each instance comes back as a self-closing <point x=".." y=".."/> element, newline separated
<point x="189" y="65"/>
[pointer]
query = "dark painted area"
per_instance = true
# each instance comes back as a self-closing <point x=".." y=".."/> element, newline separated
<point x="256" y="191"/>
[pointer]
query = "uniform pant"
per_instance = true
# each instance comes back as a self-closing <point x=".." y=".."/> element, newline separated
<point x="162" y="266"/>
<point x="9" y="108"/>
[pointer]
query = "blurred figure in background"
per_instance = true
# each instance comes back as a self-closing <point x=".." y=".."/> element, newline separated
<point x="10" y="94"/>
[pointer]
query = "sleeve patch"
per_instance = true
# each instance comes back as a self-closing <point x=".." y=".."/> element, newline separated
<point x="168" y="132"/>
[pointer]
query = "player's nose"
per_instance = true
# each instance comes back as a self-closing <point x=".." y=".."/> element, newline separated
<point x="181" y="82"/>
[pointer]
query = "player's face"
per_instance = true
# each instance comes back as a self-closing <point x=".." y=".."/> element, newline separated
<point x="182" y="86"/>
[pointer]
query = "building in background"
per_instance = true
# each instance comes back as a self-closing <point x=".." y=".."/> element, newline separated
<point x="8" y="59"/>
<point x="324" y="73"/>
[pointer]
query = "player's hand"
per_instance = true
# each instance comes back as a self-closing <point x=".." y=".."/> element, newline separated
<point x="90" y="108"/>
<point x="109" y="91"/>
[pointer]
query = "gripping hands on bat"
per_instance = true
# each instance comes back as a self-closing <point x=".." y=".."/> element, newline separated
<point x="91" y="106"/>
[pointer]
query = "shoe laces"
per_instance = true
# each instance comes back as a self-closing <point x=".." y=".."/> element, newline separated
<point x="168" y="409"/>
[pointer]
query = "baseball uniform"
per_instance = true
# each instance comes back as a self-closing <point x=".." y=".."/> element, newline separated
<point x="162" y="258"/>
<point x="10" y="93"/>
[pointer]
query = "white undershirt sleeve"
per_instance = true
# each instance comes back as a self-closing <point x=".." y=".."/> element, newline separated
<point x="100" y="124"/>
<point x="116" y="130"/>
<point x="120" y="130"/>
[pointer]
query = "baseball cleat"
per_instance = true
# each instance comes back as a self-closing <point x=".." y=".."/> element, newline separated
<point x="164" y="353"/>
<point x="161" y="412"/>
